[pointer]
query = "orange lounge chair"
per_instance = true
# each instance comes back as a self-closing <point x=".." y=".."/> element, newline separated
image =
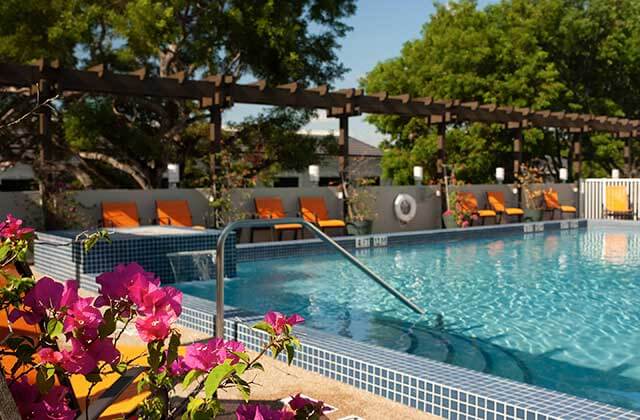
<point x="115" y="397"/>
<point x="617" y="202"/>
<point x="469" y="203"/>
<point x="497" y="204"/>
<point x="271" y="208"/>
<point x="552" y="203"/>
<point x="120" y="215"/>
<point x="314" y="210"/>
<point x="173" y="213"/>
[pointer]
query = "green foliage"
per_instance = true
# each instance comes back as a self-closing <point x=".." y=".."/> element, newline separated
<point x="567" y="55"/>
<point x="128" y="141"/>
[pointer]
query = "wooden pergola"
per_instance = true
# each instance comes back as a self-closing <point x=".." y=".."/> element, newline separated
<point x="218" y="92"/>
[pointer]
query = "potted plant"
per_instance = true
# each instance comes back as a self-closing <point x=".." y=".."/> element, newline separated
<point x="360" y="208"/>
<point x="455" y="216"/>
<point x="527" y="178"/>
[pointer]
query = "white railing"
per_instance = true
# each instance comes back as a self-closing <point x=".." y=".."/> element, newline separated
<point x="594" y="196"/>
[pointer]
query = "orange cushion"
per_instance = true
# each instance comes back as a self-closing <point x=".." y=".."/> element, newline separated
<point x="567" y="209"/>
<point x="486" y="213"/>
<point x="288" y="226"/>
<point x="468" y="202"/>
<point x="120" y="214"/>
<point x="174" y="213"/>
<point x="551" y="199"/>
<point x="313" y="208"/>
<point x="331" y="223"/>
<point x="496" y="201"/>
<point x="514" y="211"/>
<point x="269" y="208"/>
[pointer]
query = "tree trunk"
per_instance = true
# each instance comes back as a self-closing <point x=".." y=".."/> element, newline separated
<point x="8" y="408"/>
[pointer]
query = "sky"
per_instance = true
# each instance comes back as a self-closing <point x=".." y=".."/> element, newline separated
<point x="380" y="28"/>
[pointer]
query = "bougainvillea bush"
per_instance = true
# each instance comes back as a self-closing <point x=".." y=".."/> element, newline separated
<point x="80" y="336"/>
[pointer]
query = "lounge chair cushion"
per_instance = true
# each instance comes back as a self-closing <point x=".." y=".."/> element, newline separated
<point x="567" y="209"/>
<point x="288" y="226"/>
<point x="486" y="213"/>
<point x="617" y="199"/>
<point x="269" y="208"/>
<point x="120" y="215"/>
<point x="513" y="211"/>
<point x="174" y="213"/>
<point x="331" y="223"/>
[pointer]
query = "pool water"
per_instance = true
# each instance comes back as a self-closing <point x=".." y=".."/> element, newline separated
<point x="559" y="310"/>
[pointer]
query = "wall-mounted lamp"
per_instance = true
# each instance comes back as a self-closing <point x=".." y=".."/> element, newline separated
<point x="340" y="195"/>
<point x="173" y="174"/>
<point x="499" y="175"/>
<point x="564" y="174"/>
<point x="314" y="174"/>
<point x="615" y="173"/>
<point x="438" y="193"/>
<point x="575" y="189"/>
<point x="514" y="190"/>
<point x="418" y="174"/>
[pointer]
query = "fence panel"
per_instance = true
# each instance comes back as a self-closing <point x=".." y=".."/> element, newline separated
<point x="594" y="191"/>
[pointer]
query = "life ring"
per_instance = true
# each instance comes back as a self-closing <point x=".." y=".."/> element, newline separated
<point x="405" y="207"/>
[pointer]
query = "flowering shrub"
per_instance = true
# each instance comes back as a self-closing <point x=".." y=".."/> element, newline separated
<point x="80" y="335"/>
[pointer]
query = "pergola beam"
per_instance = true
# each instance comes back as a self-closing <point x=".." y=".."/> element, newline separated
<point x="98" y="80"/>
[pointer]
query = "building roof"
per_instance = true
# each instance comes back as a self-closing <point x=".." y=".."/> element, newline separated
<point x="362" y="149"/>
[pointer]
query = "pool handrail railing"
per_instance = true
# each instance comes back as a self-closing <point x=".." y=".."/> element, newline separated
<point x="219" y="324"/>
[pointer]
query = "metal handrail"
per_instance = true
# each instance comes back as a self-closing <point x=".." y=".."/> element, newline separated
<point x="320" y="234"/>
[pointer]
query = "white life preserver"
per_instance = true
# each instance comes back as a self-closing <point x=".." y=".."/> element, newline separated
<point x="405" y="207"/>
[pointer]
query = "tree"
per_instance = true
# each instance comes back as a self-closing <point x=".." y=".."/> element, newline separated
<point x="278" y="40"/>
<point x="573" y="55"/>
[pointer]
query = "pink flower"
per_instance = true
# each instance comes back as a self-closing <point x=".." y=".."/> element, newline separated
<point x="83" y="318"/>
<point x="46" y="295"/>
<point x="298" y="402"/>
<point x="278" y="321"/>
<point x="447" y="213"/>
<point x="465" y="224"/>
<point x="49" y="355"/>
<point x="78" y="359"/>
<point x="207" y="355"/>
<point x="262" y="412"/>
<point x="104" y="350"/>
<point x="12" y="229"/>
<point x="154" y="327"/>
<point x="54" y="405"/>
<point x="150" y="299"/>
<point x="179" y="367"/>
<point x="114" y="285"/>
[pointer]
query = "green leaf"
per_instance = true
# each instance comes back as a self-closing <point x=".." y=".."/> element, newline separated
<point x="108" y="325"/>
<point x="190" y="377"/>
<point x="121" y="367"/>
<point x="49" y="371"/>
<point x="242" y="356"/>
<point x="93" y="377"/>
<point x="194" y="404"/>
<point x="24" y="353"/>
<point x="215" y="378"/>
<point x="243" y="387"/>
<point x="43" y="382"/>
<point x="14" y="342"/>
<point x="54" y="328"/>
<point x="240" y="368"/>
<point x="291" y="352"/>
<point x="174" y="343"/>
<point x="263" y="326"/>
<point x="257" y="365"/>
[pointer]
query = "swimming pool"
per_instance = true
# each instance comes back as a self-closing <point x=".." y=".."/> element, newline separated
<point x="559" y="309"/>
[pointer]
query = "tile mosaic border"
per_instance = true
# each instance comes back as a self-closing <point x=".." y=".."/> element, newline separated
<point x="299" y="248"/>
<point x="435" y="387"/>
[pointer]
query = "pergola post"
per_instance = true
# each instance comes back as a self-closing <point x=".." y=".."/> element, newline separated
<point x="441" y="144"/>
<point x="577" y="156"/>
<point x="627" y="157"/>
<point x="343" y="158"/>
<point x="517" y="151"/>
<point x="215" y="145"/>
<point x="44" y="153"/>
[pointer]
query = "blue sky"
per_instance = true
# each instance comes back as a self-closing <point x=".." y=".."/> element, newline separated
<point x="380" y="28"/>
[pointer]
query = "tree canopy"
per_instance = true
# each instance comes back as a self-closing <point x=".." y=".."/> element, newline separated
<point x="128" y="141"/>
<point x="568" y="55"/>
